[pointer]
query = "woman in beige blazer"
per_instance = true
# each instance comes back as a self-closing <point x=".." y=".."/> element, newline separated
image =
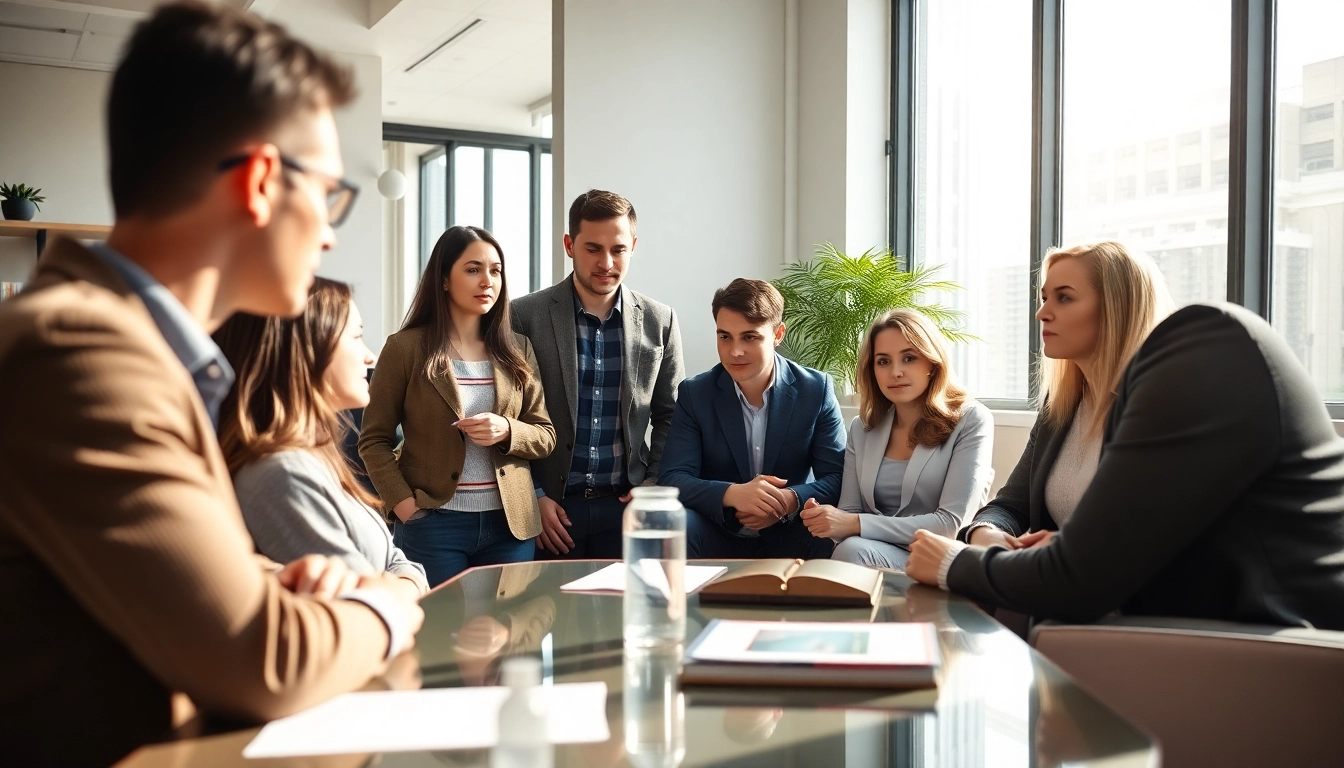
<point x="461" y="385"/>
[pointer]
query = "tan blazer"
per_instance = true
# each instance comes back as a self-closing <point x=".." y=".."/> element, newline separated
<point x="126" y="572"/>
<point x="432" y="455"/>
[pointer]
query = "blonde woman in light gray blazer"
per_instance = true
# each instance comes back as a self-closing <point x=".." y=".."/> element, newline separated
<point x="918" y="455"/>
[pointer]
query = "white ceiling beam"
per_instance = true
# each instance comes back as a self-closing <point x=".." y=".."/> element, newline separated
<point x="378" y="10"/>
<point x="262" y="8"/>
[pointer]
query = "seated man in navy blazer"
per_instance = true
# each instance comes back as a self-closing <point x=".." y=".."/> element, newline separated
<point x="746" y="434"/>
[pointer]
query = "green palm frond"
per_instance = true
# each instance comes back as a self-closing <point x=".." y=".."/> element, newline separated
<point x="830" y="300"/>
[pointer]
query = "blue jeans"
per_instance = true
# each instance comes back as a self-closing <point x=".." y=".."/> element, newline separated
<point x="447" y="543"/>
<point x="595" y="527"/>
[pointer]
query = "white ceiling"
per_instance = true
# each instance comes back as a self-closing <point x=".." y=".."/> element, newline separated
<point x="486" y="80"/>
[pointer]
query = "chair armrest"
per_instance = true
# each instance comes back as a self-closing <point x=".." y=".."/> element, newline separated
<point x="1213" y="692"/>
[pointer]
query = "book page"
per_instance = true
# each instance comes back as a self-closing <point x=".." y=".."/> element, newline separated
<point x="611" y="579"/>
<point x="834" y="578"/>
<point x="405" y="721"/>
<point x="845" y="643"/>
<point x="760" y="577"/>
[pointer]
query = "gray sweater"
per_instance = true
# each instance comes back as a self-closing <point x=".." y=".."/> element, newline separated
<point x="294" y="506"/>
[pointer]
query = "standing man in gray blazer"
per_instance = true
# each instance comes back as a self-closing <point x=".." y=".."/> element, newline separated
<point x="610" y="362"/>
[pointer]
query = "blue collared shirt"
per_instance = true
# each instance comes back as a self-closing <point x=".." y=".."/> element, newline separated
<point x="199" y="354"/>
<point x="599" y="448"/>
<point x="756" y="420"/>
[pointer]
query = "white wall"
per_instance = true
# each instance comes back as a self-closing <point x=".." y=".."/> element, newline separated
<point x="53" y="138"/>
<point x="844" y="121"/>
<point x="359" y="254"/>
<point x="686" y="123"/>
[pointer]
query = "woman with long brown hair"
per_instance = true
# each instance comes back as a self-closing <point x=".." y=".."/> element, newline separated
<point x="460" y="384"/>
<point x="281" y="431"/>
<point x="919" y="452"/>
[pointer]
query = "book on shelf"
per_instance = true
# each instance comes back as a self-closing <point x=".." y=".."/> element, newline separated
<point x="798" y="582"/>
<point x="824" y="654"/>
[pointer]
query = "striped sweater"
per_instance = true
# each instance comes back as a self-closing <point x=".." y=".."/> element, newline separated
<point x="477" y="488"/>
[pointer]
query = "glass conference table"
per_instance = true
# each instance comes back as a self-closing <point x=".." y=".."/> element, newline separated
<point x="998" y="703"/>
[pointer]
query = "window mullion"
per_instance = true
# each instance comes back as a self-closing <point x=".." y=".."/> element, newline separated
<point x="901" y="148"/>
<point x="1250" y="202"/>
<point x="1047" y="157"/>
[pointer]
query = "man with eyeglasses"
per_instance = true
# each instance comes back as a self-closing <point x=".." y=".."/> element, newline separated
<point x="128" y="574"/>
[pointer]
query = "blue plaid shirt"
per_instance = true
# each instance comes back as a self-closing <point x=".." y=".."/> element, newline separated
<point x="599" y="448"/>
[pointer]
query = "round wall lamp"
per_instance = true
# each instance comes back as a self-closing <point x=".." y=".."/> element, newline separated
<point x="392" y="184"/>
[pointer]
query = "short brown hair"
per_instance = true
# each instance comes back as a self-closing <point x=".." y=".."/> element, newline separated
<point x="599" y="205"/>
<point x="756" y="300"/>
<point x="198" y="80"/>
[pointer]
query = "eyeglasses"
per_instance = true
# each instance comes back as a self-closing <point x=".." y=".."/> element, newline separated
<point x="340" y="199"/>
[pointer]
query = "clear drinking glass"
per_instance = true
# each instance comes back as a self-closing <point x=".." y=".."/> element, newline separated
<point x="654" y="528"/>
<point x="654" y="709"/>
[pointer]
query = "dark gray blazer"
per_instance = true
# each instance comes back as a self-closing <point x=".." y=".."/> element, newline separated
<point x="650" y="373"/>
<point x="1220" y="492"/>
<point x="1020" y="504"/>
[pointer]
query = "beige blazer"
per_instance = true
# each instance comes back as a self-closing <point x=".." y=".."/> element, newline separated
<point x="403" y="394"/>
<point x="126" y="572"/>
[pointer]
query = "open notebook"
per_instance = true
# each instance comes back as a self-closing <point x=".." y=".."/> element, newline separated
<point x="785" y="581"/>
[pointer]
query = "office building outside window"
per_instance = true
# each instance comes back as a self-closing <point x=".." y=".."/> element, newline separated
<point x="974" y="183"/>
<point x="1307" y="301"/>
<point x="1165" y="102"/>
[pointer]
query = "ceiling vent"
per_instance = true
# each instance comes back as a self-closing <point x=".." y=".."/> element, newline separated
<point x="453" y="38"/>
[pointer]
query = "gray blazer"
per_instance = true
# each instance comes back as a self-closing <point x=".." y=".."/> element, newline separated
<point x="941" y="484"/>
<point x="293" y="506"/>
<point x="651" y="371"/>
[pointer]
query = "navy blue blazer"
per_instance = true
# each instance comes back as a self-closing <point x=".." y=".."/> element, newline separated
<point x="706" y="449"/>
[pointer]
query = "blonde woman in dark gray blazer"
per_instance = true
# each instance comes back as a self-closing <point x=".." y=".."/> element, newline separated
<point x="918" y="455"/>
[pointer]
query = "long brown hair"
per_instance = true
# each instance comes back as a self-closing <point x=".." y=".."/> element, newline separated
<point x="429" y="309"/>
<point x="278" y="401"/>
<point x="943" y="400"/>
<point x="1134" y="300"/>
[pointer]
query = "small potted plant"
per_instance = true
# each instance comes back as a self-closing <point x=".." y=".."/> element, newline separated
<point x="831" y="299"/>
<point x="19" y="202"/>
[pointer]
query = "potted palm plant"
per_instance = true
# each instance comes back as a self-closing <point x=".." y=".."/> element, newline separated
<point x="19" y="202"/>
<point x="832" y="299"/>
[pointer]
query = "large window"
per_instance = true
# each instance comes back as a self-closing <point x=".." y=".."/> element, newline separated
<point x="974" y="185"/>
<point x="1308" y="269"/>
<point x="1019" y="125"/>
<point x="1167" y="99"/>
<point x="495" y="181"/>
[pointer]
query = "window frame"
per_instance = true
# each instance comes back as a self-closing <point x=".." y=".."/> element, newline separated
<point x="1250" y="161"/>
<point x="449" y="139"/>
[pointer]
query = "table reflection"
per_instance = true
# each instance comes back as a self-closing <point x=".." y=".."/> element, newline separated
<point x="997" y="703"/>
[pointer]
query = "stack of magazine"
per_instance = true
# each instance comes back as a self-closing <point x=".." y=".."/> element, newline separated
<point x="827" y="654"/>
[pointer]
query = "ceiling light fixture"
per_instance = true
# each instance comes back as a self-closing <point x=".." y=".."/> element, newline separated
<point x="453" y="38"/>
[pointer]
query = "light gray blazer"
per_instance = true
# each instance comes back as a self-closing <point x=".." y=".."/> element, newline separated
<point x="941" y="484"/>
<point x="650" y="372"/>
<point x="294" y="506"/>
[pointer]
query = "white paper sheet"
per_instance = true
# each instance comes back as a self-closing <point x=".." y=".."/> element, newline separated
<point x="433" y="719"/>
<point x="612" y="578"/>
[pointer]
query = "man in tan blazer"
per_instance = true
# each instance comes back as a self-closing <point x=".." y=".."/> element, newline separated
<point x="126" y="573"/>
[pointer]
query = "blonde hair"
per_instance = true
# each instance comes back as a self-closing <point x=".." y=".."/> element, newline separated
<point x="1134" y="300"/>
<point x="943" y="400"/>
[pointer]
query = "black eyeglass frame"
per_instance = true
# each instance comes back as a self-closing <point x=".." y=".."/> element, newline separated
<point x="340" y="201"/>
